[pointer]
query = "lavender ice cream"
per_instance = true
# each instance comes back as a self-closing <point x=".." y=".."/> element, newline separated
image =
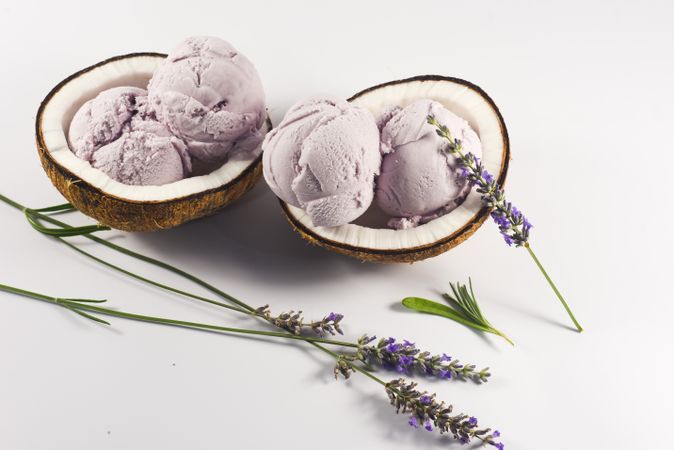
<point x="140" y="158"/>
<point x="419" y="181"/>
<point x="115" y="133"/>
<point x="323" y="157"/>
<point x="210" y="96"/>
<point x="102" y="119"/>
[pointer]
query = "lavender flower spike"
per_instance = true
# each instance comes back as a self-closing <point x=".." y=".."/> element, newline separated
<point x="512" y="224"/>
<point x="425" y="409"/>
<point x="406" y="358"/>
<point x="294" y="321"/>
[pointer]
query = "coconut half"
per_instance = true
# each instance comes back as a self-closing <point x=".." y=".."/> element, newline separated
<point x="121" y="206"/>
<point x="439" y="235"/>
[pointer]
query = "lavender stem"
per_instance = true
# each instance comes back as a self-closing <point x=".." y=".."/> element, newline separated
<point x="514" y="227"/>
<point x="552" y="285"/>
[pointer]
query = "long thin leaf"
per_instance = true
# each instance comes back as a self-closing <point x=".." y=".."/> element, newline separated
<point x="83" y="300"/>
<point x="57" y="208"/>
<point x="88" y="316"/>
<point x="424" y="305"/>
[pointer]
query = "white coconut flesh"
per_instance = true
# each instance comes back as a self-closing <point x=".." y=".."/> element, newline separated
<point x="462" y="99"/>
<point x="132" y="70"/>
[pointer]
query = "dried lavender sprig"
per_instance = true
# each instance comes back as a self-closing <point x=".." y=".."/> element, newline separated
<point x="287" y="321"/>
<point x="405" y="357"/>
<point x="513" y="225"/>
<point x="423" y="407"/>
<point x="346" y="365"/>
<point x="425" y="410"/>
<point x="293" y="321"/>
<point x="89" y="308"/>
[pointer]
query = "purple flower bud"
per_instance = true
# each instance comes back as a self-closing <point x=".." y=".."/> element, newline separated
<point x="413" y="422"/>
<point x="487" y="177"/>
<point x="404" y="363"/>
<point x="445" y="374"/>
<point x="425" y="400"/>
<point x="464" y="440"/>
<point x="393" y="347"/>
<point x="428" y="425"/>
<point x="501" y="220"/>
<point x="368" y="339"/>
<point x="445" y="357"/>
<point x="407" y="343"/>
<point x="472" y="421"/>
<point x="496" y="433"/>
<point x="498" y="445"/>
<point x="526" y="225"/>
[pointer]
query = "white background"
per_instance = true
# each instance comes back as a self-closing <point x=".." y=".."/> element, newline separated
<point x="586" y="90"/>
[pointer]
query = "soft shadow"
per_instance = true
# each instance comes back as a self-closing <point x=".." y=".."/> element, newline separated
<point x="254" y="235"/>
<point x="537" y="316"/>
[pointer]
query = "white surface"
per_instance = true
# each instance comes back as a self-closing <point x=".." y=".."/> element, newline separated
<point x="586" y="91"/>
<point x="459" y="99"/>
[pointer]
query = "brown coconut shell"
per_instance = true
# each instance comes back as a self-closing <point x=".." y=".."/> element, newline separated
<point x="130" y="215"/>
<point x="412" y="254"/>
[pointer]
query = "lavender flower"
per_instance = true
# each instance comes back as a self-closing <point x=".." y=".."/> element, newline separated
<point x="514" y="227"/>
<point x="405" y="357"/>
<point x="426" y="409"/>
<point x="294" y="322"/>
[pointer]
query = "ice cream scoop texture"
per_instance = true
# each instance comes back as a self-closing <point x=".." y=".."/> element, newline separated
<point x="419" y="179"/>
<point x="211" y="97"/>
<point x="323" y="157"/>
<point x="204" y="105"/>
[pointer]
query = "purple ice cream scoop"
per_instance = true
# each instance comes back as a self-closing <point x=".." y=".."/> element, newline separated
<point x="419" y="179"/>
<point x="116" y="134"/>
<point x="209" y="95"/>
<point x="323" y="157"/>
<point x="102" y="119"/>
<point x="141" y="157"/>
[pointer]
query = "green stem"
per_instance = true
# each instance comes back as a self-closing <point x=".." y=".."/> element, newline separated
<point x="552" y="285"/>
<point x="131" y="253"/>
<point x="147" y="259"/>
<point x="75" y="305"/>
<point x="497" y="332"/>
<point x="152" y="282"/>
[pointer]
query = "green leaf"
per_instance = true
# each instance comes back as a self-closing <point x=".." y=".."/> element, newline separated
<point x="88" y="316"/>
<point x="62" y="232"/>
<point x="83" y="300"/>
<point x="424" y="305"/>
<point x="462" y="308"/>
<point x="57" y="208"/>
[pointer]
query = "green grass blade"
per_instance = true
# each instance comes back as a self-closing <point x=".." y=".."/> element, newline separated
<point x="57" y="208"/>
<point x="62" y="232"/>
<point x="83" y="300"/>
<point x="88" y="316"/>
